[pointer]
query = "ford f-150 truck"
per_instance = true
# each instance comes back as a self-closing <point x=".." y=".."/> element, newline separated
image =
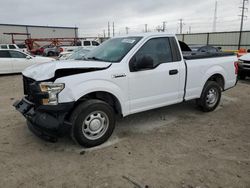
<point x="123" y="76"/>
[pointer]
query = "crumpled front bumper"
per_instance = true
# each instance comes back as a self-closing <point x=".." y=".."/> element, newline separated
<point x="47" y="122"/>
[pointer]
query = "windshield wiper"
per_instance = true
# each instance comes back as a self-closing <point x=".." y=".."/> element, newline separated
<point x="94" y="58"/>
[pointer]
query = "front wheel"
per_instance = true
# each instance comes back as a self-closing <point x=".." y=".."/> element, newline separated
<point x="210" y="97"/>
<point x="93" y="123"/>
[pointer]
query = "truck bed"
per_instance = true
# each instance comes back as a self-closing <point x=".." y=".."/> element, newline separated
<point x="202" y="55"/>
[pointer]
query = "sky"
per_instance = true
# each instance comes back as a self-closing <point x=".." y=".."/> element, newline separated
<point x="92" y="16"/>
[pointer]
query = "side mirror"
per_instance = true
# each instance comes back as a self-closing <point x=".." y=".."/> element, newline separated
<point x="146" y="62"/>
<point x="28" y="57"/>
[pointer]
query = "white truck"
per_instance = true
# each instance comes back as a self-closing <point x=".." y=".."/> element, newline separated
<point x="123" y="76"/>
<point x="88" y="44"/>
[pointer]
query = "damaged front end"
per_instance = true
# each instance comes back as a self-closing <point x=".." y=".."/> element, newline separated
<point x="47" y="120"/>
<point x="45" y="116"/>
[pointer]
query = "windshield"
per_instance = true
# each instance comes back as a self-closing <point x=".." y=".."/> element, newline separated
<point x="113" y="50"/>
<point x="78" y="54"/>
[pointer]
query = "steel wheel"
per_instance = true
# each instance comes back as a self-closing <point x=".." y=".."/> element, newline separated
<point x="95" y="125"/>
<point x="212" y="97"/>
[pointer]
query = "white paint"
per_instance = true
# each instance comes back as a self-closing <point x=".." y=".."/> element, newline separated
<point x="19" y="62"/>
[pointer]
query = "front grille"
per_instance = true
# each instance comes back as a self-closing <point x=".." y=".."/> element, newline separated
<point x="247" y="62"/>
<point x="26" y="85"/>
<point x="32" y="91"/>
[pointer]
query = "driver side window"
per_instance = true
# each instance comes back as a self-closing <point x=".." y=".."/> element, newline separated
<point x="157" y="49"/>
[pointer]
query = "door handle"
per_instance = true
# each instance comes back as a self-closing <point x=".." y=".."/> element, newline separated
<point x="118" y="75"/>
<point x="173" y="72"/>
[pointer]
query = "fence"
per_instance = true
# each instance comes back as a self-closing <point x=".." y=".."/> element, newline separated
<point x="225" y="40"/>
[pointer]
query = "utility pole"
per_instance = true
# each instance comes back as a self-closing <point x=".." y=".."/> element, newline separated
<point x="146" y="28"/>
<point x="126" y="28"/>
<point x="181" y="25"/>
<point x="215" y="16"/>
<point x="113" y="29"/>
<point x="108" y="30"/>
<point x="163" y="26"/>
<point x="104" y="33"/>
<point x="190" y="29"/>
<point x="243" y="9"/>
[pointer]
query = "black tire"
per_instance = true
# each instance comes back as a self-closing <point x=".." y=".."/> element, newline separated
<point x="97" y="110"/>
<point x="204" y="101"/>
<point x="51" y="53"/>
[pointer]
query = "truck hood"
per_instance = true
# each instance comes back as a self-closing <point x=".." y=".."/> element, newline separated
<point x="46" y="71"/>
<point x="245" y="57"/>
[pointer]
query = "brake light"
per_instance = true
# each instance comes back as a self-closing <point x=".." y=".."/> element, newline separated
<point x="61" y="49"/>
<point x="236" y="66"/>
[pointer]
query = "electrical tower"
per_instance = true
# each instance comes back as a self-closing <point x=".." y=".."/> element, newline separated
<point x="146" y="28"/>
<point x="113" y="29"/>
<point x="126" y="28"/>
<point x="189" y="29"/>
<point x="181" y="25"/>
<point x="108" y="30"/>
<point x="164" y="26"/>
<point x="215" y="16"/>
<point x="243" y="9"/>
<point x="104" y="33"/>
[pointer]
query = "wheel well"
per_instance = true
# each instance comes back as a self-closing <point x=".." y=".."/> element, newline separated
<point x="219" y="79"/>
<point x="106" y="97"/>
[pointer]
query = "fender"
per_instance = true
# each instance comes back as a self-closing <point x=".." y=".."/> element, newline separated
<point x="212" y="71"/>
<point x="75" y="92"/>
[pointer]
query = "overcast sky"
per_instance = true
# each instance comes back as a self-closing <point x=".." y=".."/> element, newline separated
<point x="92" y="16"/>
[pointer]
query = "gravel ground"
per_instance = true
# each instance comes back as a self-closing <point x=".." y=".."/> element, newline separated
<point x="176" y="146"/>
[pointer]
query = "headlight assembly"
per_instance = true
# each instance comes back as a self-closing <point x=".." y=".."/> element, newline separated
<point x="52" y="89"/>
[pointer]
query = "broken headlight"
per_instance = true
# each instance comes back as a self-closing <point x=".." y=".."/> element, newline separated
<point x="52" y="89"/>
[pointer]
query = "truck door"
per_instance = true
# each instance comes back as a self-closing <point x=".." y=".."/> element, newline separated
<point x="154" y="76"/>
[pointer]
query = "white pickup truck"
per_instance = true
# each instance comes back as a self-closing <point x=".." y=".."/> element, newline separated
<point x="88" y="44"/>
<point x="123" y="76"/>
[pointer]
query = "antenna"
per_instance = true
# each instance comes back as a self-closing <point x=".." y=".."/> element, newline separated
<point x="215" y="16"/>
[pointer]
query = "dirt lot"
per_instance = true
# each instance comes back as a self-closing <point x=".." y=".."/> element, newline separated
<point x="176" y="146"/>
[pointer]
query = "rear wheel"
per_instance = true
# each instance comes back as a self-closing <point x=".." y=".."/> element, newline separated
<point x="93" y="123"/>
<point x="51" y="53"/>
<point x="210" y="97"/>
